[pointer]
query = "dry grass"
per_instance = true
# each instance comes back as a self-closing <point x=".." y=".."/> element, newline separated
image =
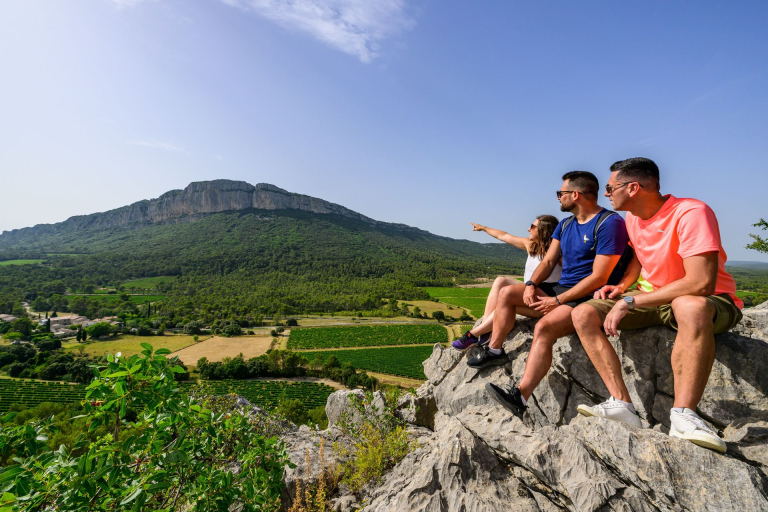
<point x="217" y="348"/>
<point x="129" y="345"/>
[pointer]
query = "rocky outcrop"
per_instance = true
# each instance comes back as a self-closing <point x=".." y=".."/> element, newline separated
<point x="198" y="198"/>
<point x="481" y="457"/>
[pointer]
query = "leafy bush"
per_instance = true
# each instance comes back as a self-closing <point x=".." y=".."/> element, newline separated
<point x="193" y="327"/>
<point x="380" y="442"/>
<point x="176" y="455"/>
<point x="99" y="329"/>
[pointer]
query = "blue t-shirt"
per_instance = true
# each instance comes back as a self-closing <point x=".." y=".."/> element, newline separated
<point x="576" y="247"/>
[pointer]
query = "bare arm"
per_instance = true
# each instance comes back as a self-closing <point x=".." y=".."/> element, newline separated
<point x="630" y="277"/>
<point x="601" y="271"/>
<point x="516" y="241"/>
<point x="548" y="263"/>
<point x="700" y="279"/>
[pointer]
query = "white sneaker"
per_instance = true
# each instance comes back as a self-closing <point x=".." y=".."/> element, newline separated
<point x="612" y="410"/>
<point x="688" y="425"/>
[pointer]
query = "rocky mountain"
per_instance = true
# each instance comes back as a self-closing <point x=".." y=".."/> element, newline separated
<point x="198" y="198"/>
<point x="476" y="456"/>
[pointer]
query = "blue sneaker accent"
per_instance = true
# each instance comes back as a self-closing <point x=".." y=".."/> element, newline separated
<point x="484" y="339"/>
<point x="465" y="342"/>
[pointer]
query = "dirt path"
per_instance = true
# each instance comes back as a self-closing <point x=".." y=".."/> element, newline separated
<point x="217" y="348"/>
<point x="487" y="283"/>
<point x="395" y="380"/>
<point x="332" y="383"/>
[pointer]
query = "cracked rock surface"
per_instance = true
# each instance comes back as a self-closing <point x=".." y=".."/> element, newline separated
<point x="480" y="457"/>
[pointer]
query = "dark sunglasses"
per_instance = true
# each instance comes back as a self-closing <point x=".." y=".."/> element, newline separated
<point x="561" y="192"/>
<point x="609" y="189"/>
<point x="534" y="226"/>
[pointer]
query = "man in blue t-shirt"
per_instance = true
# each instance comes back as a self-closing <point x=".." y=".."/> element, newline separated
<point x="593" y="245"/>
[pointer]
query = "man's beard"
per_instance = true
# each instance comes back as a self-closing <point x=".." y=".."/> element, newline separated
<point x="567" y="208"/>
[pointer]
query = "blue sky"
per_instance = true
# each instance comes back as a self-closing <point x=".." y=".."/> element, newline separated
<point x="429" y="113"/>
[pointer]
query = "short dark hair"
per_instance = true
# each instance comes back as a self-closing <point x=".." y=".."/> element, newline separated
<point x="639" y="169"/>
<point x="583" y="181"/>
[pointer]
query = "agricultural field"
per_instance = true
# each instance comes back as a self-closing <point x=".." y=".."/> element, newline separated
<point x="402" y="361"/>
<point x="19" y="262"/>
<point x="366" y="336"/>
<point x="265" y="394"/>
<point x="29" y="393"/>
<point x="470" y="298"/>
<point x="217" y="348"/>
<point x="129" y="345"/>
<point x="428" y="307"/>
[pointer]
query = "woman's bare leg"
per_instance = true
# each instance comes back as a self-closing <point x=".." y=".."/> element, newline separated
<point x="490" y="306"/>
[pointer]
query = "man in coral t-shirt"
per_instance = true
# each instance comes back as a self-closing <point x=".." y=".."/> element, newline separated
<point x="679" y="267"/>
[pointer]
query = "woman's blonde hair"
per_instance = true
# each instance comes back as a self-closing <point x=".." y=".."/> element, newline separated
<point x="543" y="239"/>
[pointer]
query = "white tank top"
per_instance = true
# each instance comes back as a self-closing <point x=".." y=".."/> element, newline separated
<point x="533" y="262"/>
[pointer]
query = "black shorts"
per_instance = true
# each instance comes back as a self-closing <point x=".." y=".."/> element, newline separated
<point x="552" y="289"/>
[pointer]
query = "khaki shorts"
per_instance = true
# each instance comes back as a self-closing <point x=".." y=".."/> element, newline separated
<point x="727" y="315"/>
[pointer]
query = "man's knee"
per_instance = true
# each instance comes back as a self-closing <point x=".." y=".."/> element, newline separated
<point x="585" y="318"/>
<point x="545" y="330"/>
<point x="692" y="308"/>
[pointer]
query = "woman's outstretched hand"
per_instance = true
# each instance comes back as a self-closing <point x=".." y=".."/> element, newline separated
<point x="477" y="227"/>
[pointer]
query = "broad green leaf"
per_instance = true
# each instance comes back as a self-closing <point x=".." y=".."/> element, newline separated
<point x="146" y="346"/>
<point x="10" y="473"/>
<point x="132" y="496"/>
<point x="162" y="351"/>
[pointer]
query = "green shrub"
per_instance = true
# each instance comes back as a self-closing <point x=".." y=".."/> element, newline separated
<point x="177" y="454"/>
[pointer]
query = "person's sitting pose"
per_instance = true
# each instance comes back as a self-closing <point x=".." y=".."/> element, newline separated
<point x="536" y="245"/>
<point x="591" y="244"/>
<point x="683" y="284"/>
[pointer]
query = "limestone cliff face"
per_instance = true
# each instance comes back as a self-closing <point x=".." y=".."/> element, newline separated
<point x="199" y="198"/>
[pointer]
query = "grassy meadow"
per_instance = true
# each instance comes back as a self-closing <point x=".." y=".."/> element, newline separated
<point x="129" y="344"/>
<point x="472" y="299"/>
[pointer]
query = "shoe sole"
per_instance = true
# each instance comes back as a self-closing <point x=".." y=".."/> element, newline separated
<point x="494" y="362"/>
<point x="463" y="349"/>
<point x="585" y="410"/>
<point x="500" y="400"/>
<point x="702" y="440"/>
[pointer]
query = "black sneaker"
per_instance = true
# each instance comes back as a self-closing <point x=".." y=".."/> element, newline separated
<point x="511" y="400"/>
<point x="487" y="358"/>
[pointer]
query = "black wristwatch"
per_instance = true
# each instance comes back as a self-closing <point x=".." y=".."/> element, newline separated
<point x="530" y="283"/>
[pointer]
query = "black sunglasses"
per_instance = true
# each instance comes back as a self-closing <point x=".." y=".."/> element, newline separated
<point x="609" y="189"/>
<point x="561" y="192"/>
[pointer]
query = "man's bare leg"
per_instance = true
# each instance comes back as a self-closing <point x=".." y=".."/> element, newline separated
<point x="555" y="324"/>
<point x="588" y="325"/>
<point x="694" y="350"/>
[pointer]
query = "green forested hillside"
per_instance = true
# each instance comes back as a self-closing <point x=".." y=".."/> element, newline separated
<point x="252" y="262"/>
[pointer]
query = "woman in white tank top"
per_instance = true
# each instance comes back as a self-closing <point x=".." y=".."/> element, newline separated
<point x="536" y="245"/>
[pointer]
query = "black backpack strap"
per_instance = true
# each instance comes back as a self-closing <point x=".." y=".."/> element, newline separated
<point x="566" y="223"/>
<point x="603" y="216"/>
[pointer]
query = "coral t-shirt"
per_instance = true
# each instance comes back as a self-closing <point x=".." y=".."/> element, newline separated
<point x="680" y="229"/>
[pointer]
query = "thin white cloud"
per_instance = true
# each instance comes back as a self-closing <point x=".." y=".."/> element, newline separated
<point x="157" y="145"/>
<point x="356" y="27"/>
<point x="126" y="3"/>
